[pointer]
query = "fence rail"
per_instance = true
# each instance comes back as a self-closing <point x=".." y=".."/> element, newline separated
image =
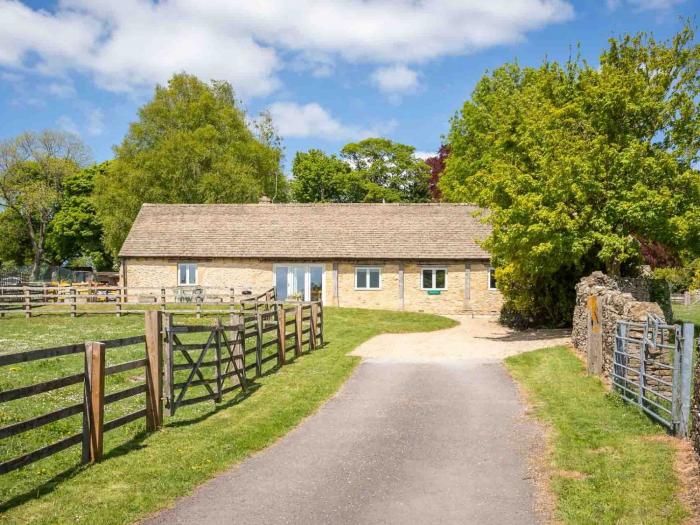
<point x="230" y="350"/>
<point x="687" y="298"/>
<point x="92" y="405"/>
<point x="91" y="299"/>
<point x="652" y="368"/>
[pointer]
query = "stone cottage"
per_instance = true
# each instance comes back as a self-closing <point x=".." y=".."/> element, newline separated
<point x="420" y="257"/>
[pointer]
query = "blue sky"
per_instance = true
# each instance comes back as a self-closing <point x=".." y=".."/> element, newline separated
<point x="329" y="72"/>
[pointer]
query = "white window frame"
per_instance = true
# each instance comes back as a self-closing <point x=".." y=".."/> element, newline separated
<point x="368" y="288"/>
<point x="491" y="271"/>
<point x="434" y="270"/>
<point x="307" y="278"/>
<point x="188" y="275"/>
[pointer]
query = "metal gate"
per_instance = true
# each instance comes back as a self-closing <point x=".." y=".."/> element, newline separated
<point x="652" y="368"/>
<point x="207" y="364"/>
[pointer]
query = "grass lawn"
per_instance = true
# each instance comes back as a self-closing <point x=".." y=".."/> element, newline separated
<point x="688" y="313"/>
<point x="610" y="463"/>
<point x="142" y="472"/>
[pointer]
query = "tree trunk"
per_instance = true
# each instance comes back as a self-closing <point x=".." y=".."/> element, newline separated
<point x="36" y="264"/>
<point x="37" y="239"/>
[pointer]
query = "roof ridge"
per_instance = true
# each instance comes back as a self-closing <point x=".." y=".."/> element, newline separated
<point x="312" y="204"/>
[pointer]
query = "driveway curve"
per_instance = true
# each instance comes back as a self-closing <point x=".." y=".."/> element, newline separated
<point x="428" y="429"/>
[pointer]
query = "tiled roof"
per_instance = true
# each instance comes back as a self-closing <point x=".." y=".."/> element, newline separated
<point x="308" y="231"/>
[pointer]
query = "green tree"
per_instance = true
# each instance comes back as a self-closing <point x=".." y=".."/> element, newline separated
<point x="75" y="231"/>
<point x="33" y="168"/>
<point x="372" y="170"/>
<point x="15" y="244"/>
<point x="389" y="171"/>
<point x="320" y="178"/>
<point x="191" y="144"/>
<point x="577" y="163"/>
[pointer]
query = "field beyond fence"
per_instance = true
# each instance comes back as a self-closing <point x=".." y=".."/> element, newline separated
<point x="111" y="386"/>
<point x="77" y="300"/>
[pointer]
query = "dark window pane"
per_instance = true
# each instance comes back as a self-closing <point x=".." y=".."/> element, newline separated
<point x="183" y="274"/>
<point x="427" y="278"/>
<point x="361" y="278"/>
<point x="440" y="279"/>
<point x="316" y="282"/>
<point x="281" y="283"/>
<point x="374" y="278"/>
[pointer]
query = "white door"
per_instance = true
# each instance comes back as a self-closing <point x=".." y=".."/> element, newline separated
<point x="299" y="281"/>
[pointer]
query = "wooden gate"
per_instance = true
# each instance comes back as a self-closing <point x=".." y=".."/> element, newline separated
<point x="207" y="364"/>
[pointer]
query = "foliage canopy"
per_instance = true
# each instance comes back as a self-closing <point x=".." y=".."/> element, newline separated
<point x="578" y="163"/>
<point x="192" y="143"/>
<point x="372" y="170"/>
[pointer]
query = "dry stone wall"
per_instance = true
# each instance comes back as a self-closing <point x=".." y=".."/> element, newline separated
<point x="626" y="299"/>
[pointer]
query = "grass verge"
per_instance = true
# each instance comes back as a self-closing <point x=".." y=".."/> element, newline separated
<point x="690" y="314"/>
<point x="142" y="472"/>
<point x="609" y="463"/>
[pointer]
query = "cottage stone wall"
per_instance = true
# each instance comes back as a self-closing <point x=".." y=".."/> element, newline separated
<point x="257" y="275"/>
<point x="627" y="300"/>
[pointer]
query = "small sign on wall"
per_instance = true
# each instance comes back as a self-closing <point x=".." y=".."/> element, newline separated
<point x="434" y="292"/>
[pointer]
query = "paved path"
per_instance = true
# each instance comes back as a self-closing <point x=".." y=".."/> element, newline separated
<point x="435" y="434"/>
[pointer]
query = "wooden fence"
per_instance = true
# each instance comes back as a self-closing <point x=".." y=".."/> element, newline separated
<point x="687" y="298"/>
<point x="89" y="299"/>
<point x="285" y="329"/>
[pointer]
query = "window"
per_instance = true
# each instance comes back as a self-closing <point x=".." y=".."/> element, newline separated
<point x="186" y="274"/>
<point x="434" y="279"/>
<point x="368" y="278"/>
<point x="492" y="279"/>
<point x="298" y="281"/>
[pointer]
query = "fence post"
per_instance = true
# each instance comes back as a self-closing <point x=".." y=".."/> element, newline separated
<point x="94" y="399"/>
<point x="162" y="299"/>
<point x="686" y="377"/>
<point x="686" y="298"/>
<point x="298" y="329"/>
<point x="118" y="305"/>
<point x="320" y="320"/>
<point x="198" y="307"/>
<point x="594" y="344"/>
<point x="154" y="370"/>
<point x="238" y="320"/>
<point x="642" y="366"/>
<point x="281" y="334"/>
<point x="620" y="360"/>
<point x="217" y="354"/>
<point x="168" y="378"/>
<point x="27" y="303"/>
<point x="231" y="303"/>
<point x="313" y="326"/>
<point x="258" y="339"/>
<point x="73" y="300"/>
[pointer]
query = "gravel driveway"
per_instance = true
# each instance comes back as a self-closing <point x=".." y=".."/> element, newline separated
<point x="429" y="429"/>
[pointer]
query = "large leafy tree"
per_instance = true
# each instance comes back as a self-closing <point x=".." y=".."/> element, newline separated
<point x="389" y="171"/>
<point x="319" y="177"/>
<point x="437" y="164"/>
<point x="33" y="170"/>
<point x="578" y="163"/>
<point x="372" y="170"/>
<point x="15" y="244"/>
<point x="191" y="144"/>
<point x="75" y="231"/>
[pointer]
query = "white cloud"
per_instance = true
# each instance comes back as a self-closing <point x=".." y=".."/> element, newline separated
<point x="395" y="79"/>
<point x="311" y="120"/>
<point x="61" y="89"/>
<point x="128" y="45"/>
<point x="68" y="124"/>
<point x="94" y="122"/>
<point x="424" y="154"/>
